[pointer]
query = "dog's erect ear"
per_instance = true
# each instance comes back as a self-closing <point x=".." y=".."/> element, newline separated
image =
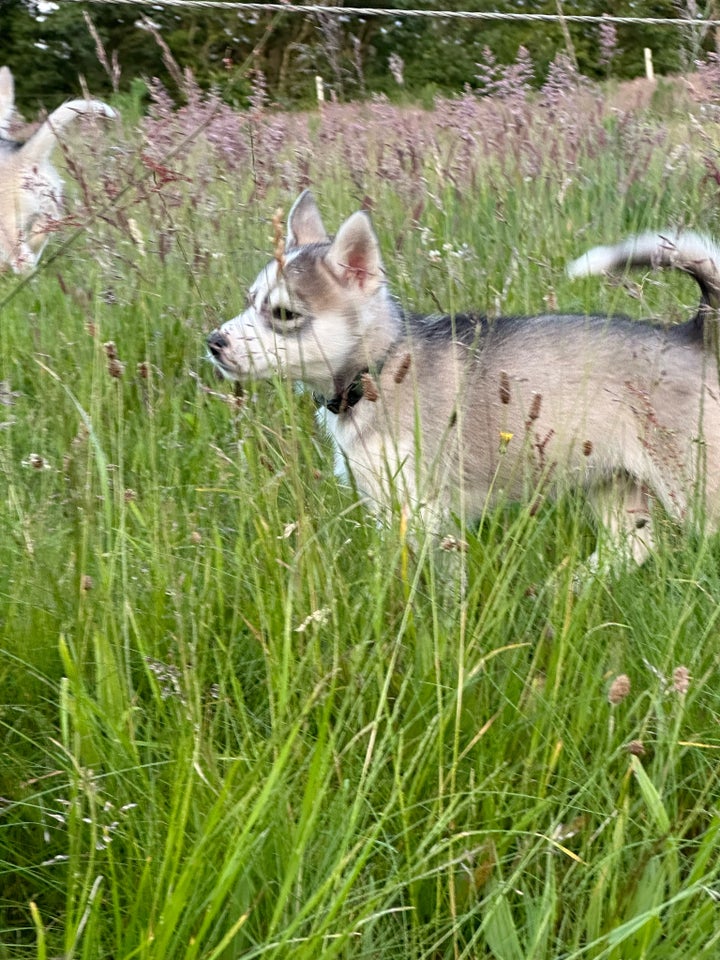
<point x="354" y="256"/>
<point x="7" y="98"/>
<point x="304" y="223"/>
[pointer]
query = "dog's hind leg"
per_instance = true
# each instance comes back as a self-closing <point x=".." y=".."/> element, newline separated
<point x="7" y="99"/>
<point x="623" y="512"/>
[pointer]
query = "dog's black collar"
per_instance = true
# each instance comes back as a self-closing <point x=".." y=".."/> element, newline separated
<point x="347" y="396"/>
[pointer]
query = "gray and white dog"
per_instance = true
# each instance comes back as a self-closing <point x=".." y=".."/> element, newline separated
<point x="450" y="414"/>
<point x="30" y="186"/>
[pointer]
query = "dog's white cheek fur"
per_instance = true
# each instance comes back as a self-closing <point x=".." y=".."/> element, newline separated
<point x="253" y="349"/>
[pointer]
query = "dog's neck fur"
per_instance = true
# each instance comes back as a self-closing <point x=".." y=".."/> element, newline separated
<point x="379" y="339"/>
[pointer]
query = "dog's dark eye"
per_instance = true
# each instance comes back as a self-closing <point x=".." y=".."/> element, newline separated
<point x="283" y="315"/>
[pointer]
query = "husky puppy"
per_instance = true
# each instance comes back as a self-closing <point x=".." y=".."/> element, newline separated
<point x="449" y="414"/>
<point x="30" y="187"/>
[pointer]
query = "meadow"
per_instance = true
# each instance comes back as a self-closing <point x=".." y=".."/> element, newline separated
<point x="239" y="718"/>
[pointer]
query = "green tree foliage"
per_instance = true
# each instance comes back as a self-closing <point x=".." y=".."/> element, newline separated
<point x="49" y="46"/>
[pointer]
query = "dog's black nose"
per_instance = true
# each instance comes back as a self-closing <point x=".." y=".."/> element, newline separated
<point x="217" y="342"/>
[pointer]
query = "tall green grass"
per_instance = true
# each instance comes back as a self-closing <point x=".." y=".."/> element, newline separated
<point x="242" y="720"/>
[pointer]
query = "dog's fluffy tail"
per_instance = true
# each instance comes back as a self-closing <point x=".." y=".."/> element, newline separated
<point x="46" y="137"/>
<point x="691" y="252"/>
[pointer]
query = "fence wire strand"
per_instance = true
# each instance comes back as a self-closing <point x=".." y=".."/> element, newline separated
<point x="240" y="8"/>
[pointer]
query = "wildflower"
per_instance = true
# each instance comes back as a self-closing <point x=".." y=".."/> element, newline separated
<point x="317" y="616"/>
<point x="453" y="543"/>
<point x="608" y="43"/>
<point x="59" y="858"/>
<point x="37" y="462"/>
<point x="397" y="66"/>
<point x="505" y="438"/>
<point x="168" y="678"/>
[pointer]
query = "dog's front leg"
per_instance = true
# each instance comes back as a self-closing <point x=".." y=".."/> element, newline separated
<point x="623" y="512"/>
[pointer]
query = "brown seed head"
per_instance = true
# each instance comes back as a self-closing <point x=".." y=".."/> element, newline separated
<point x="278" y="238"/>
<point x="504" y="387"/>
<point x="535" y="406"/>
<point x="551" y="300"/>
<point x="681" y="680"/>
<point x="402" y="370"/>
<point x="451" y="543"/>
<point x="115" y="368"/>
<point x="619" y="689"/>
<point x="370" y="390"/>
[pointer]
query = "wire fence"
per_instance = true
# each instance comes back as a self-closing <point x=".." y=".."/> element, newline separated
<point x="396" y="13"/>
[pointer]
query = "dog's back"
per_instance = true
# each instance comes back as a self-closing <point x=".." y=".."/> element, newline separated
<point x="534" y="406"/>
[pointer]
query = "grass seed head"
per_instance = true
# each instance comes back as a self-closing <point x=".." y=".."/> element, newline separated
<point x="504" y="387"/>
<point x="450" y="544"/>
<point x="619" y="689"/>
<point x="535" y="406"/>
<point x="681" y="680"/>
<point x="370" y="390"/>
<point x="278" y="239"/>
<point x="116" y="368"/>
<point x="402" y="370"/>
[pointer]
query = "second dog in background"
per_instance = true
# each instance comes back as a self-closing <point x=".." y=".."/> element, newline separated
<point x="30" y="186"/>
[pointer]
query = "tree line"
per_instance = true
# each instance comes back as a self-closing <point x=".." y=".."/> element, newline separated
<point x="50" y="45"/>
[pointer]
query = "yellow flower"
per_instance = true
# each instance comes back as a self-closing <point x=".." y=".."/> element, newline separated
<point x="505" y="438"/>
